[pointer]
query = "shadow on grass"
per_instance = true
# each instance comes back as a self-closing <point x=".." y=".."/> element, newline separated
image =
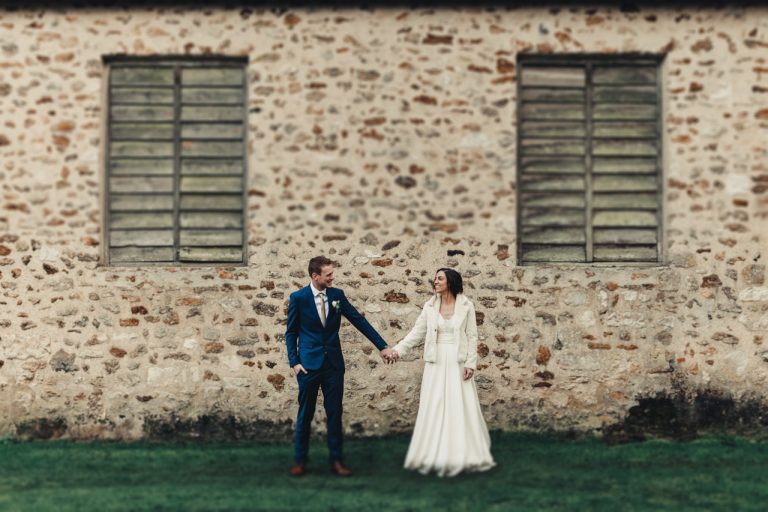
<point x="534" y="473"/>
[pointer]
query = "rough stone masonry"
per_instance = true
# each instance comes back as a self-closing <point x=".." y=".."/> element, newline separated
<point x="385" y="139"/>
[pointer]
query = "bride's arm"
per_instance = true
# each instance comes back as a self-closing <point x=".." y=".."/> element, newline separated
<point x="415" y="337"/>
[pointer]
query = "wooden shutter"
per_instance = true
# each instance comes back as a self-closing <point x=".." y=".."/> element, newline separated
<point x="176" y="161"/>
<point x="589" y="160"/>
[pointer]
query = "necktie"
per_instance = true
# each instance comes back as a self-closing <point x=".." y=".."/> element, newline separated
<point x="322" y="307"/>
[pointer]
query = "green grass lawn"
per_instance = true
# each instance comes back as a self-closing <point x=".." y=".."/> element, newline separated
<point x="533" y="473"/>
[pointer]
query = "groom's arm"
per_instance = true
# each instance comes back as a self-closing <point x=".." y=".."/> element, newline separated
<point x="361" y="324"/>
<point x="292" y="332"/>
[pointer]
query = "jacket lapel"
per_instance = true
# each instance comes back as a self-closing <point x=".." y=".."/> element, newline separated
<point x="460" y="310"/>
<point x="331" y="293"/>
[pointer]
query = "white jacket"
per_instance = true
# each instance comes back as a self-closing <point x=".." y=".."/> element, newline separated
<point x="425" y="331"/>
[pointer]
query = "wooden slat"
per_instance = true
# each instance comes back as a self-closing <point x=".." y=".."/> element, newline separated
<point x="552" y="76"/>
<point x="552" y="129"/>
<point x="192" y="95"/>
<point x="618" y="111"/>
<point x="542" y="183"/>
<point x="553" y="95"/>
<point x="211" y="148"/>
<point x="553" y="165"/>
<point x="211" y="131"/>
<point x="645" y="201"/>
<point x="552" y="217"/>
<point x="212" y="76"/>
<point x="141" y="113"/>
<point x="628" y="94"/>
<point x="552" y="111"/>
<point x="624" y="130"/>
<point x="142" y="148"/>
<point x="135" y="220"/>
<point x="141" y="238"/>
<point x="211" y="202"/>
<point x="211" y="238"/>
<point x="128" y="166"/>
<point x="552" y="147"/>
<point x="619" y="147"/>
<point x="629" y="253"/>
<point x="618" y="183"/>
<point x="553" y="254"/>
<point x="545" y="200"/>
<point x="148" y="131"/>
<point x="140" y="254"/>
<point x="133" y="75"/>
<point x="141" y="202"/>
<point x="212" y="184"/>
<point x="217" y="113"/>
<point x="628" y="218"/>
<point x="221" y="220"/>
<point x="604" y="165"/>
<point x="211" y="254"/>
<point x="625" y="236"/>
<point x="145" y="96"/>
<point x="138" y="184"/>
<point x="558" y="236"/>
<point x="191" y="166"/>
<point x="624" y="75"/>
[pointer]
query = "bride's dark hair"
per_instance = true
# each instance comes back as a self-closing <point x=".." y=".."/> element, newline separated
<point x="455" y="284"/>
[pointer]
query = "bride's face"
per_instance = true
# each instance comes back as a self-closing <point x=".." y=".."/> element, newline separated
<point x="441" y="282"/>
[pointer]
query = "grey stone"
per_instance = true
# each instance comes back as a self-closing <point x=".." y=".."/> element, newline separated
<point x="63" y="362"/>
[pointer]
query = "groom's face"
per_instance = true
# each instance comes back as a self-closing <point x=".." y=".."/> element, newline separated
<point x="324" y="279"/>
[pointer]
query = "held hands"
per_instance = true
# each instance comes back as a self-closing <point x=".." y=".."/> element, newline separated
<point x="388" y="355"/>
<point x="468" y="372"/>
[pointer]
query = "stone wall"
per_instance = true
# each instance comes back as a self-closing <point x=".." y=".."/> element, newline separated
<point x="384" y="139"/>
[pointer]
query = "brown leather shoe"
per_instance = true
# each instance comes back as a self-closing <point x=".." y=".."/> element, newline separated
<point x="337" y="468"/>
<point x="298" y="469"/>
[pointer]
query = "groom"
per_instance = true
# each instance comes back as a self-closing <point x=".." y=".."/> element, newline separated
<point x="314" y="353"/>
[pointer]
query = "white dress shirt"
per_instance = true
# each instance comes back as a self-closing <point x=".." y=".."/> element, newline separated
<point x="316" y="293"/>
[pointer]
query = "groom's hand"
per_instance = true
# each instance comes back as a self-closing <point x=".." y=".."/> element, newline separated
<point x="388" y="355"/>
<point x="298" y="368"/>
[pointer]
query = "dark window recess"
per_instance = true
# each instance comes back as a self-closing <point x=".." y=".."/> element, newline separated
<point x="589" y="159"/>
<point x="176" y="161"/>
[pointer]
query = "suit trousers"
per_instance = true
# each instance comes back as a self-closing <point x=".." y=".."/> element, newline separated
<point x="331" y="380"/>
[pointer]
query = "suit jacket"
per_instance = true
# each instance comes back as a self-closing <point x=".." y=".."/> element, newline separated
<point x="308" y="342"/>
<point x="425" y="331"/>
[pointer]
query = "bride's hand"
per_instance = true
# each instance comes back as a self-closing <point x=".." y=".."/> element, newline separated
<point x="468" y="372"/>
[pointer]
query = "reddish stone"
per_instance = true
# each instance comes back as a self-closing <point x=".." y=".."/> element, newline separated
<point x="383" y="262"/>
<point x="504" y="66"/>
<point x="543" y="355"/>
<point x="479" y="317"/>
<point x="545" y="375"/>
<point x="393" y="296"/>
<point x="502" y="252"/>
<point x="4" y="251"/>
<point x="442" y="226"/>
<point x="117" y="352"/>
<point x="426" y="100"/>
<point x="291" y="20"/>
<point x="214" y="348"/>
<point x="139" y="310"/>
<point x="482" y="350"/>
<point x="762" y="114"/>
<point x="479" y="69"/>
<point x="191" y="301"/>
<point x="435" y="39"/>
<point x="599" y="346"/>
<point x="277" y="380"/>
<point x="144" y="398"/>
<point x="129" y="322"/>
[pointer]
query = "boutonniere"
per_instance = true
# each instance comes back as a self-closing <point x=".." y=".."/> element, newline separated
<point x="336" y="305"/>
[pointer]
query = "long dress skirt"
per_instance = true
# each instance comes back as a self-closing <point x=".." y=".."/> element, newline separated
<point x="450" y="435"/>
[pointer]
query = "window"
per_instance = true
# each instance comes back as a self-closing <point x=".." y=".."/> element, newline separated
<point x="589" y="159"/>
<point x="175" y="161"/>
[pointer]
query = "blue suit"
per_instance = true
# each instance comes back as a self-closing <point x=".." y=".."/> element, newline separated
<point x="318" y="349"/>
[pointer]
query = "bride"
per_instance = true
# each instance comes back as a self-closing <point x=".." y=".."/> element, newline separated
<point x="450" y="434"/>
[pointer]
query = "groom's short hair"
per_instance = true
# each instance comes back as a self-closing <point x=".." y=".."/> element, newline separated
<point x="317" y="263"/>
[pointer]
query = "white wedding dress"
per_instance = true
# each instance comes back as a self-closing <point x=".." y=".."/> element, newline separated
<point x="450" y="434"/>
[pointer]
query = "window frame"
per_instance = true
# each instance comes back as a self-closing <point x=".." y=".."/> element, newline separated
<point x="109" y="63"/>
<point x="587" y="60"/>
